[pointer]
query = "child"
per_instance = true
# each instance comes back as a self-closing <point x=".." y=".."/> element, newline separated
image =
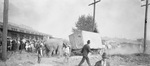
<point x="103" y="61"/>
<point x="66" y="53"/>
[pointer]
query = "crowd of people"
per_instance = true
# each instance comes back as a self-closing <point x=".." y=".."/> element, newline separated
<point x="29" y="45"/>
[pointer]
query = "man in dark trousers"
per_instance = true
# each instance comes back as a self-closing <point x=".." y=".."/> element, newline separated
<point x="39" y="49"/>
<point x="85" y="51"/>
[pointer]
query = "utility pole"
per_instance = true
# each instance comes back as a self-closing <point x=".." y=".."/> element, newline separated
<point x="5" y="22"/>
<point x="94" y="4"/>
<point x="145" y="24"/>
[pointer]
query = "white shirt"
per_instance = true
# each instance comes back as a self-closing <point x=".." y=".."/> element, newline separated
<point x="23" y="40"/>
<point x="103" y="63"/>
<point x="66" y="50"/>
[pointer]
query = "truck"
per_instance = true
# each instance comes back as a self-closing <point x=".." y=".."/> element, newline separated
<point x="79" y="38"/>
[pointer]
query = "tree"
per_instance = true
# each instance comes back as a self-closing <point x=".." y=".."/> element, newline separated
<point x="86" y="23"/>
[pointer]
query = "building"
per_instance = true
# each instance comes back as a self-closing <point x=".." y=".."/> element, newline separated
<point x="18" y="32"/>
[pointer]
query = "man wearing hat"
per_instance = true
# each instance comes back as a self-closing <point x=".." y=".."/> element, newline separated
<point x="103" y="61"/>
<point x="85" y="51"/>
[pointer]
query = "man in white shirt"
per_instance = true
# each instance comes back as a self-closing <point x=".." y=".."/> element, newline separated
<point x="103" y="61"/>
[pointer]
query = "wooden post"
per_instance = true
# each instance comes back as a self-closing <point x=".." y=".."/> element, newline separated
<point x="94" y="15"/>
<point x="145" y="25"/>
<point x="5" y="22"/>
<point x="94" y="4"/>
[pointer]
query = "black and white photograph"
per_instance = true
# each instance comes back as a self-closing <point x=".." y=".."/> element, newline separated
<point x="74" y="33"/>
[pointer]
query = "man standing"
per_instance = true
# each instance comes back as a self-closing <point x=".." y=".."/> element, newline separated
<point x="14" y="45"/>
<point x="85" y="51"/>
<point x="39" y="51"/>
<point x="66" y="50"/>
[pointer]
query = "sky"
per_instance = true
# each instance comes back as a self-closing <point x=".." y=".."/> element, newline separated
<point x="114" y="18"/>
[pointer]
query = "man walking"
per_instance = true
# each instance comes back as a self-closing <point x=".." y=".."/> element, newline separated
<point x="85" y="51"/>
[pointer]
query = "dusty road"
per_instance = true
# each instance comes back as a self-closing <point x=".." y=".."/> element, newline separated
<point x="30" y="59"/>
<point x="114" y="60"/>
<point x="73" y="61"/>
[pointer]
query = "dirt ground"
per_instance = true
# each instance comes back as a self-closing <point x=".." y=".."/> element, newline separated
<point x="30" y="59"/>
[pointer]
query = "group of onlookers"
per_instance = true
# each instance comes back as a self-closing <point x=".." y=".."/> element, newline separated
<point x="22" y="44"/>
<point x="37" y="46"/>
<point x="12" y="44"/>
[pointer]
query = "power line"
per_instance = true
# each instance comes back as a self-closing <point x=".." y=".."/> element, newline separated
<point x="145" y="24"/>
<point x="94" y="8"/>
